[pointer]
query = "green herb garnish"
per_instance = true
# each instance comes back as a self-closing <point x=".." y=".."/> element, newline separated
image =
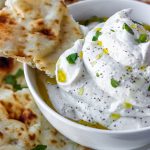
<point x="112" y="30"/>
<point x="72" y="58"/>
<point x="81" y="91"/>
<point x="115" y="116"/>
<point x="149" y="88"/>
<point x="96" y="36"/>
<point x="127" y="105"/>
<point x="129" y="68"/>
<point x="142" y="38"/>
<point x="115" y="83"/>
<point x="93" y="19"/>
<point x="12" y="80"/>
<point x="19" y="73"/>
<point x="146" y="27"/>
<point x="128" y="29"/>
<point x="104" y="19"/>
<point x="97" y="74"/>
<point x="40" y="147"/>
<point x="18" y="87"/>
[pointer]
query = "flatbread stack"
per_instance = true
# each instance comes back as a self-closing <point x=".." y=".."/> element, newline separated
<point x="22" y="34"/>
<point x="22" y="126"/>
<point x="37" y="32"/>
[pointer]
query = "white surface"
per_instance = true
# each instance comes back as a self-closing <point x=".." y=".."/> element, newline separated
<point x="95" y="138"/>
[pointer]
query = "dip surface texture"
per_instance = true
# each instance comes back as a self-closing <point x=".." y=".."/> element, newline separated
<point x="105" y="78"/>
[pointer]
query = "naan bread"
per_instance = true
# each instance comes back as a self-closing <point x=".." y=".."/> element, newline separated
<point x="37" y="32"/>
<point x="6" y="65"/>
<point x="20" y="119"/>
<point x="22" y="126"/>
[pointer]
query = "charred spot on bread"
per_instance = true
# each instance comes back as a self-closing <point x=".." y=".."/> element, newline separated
<point x="6" y="64"/>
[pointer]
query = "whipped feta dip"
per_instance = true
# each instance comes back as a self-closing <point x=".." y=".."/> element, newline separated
<point x="105" y="78"/>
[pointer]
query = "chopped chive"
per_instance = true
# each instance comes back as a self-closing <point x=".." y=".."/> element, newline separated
<point x="62" y="76"/>
<point x="115" y="83"/>
<point x="115" y="116"/>
<point x="98" y="33"/>
<point x="19" y="73"/>
<point x="104" y="19"/>
<point x="129" y="68"/>
<point x="96" y="36"/>
<point x="127" y="105"/>
<point x="40" y="147"/>
<point x="134" y="26"/>
<point x="149" y="88"/>
<point x="97" y="74"/>
<point x="81" y="91"/>
<point x="143" y="68"/>
<point x="142" y="38"/>
<point x="99" y="56"/>
<point x="72" y="58"/>
<point x="112" y="30"/>
<point x="93" y="19"/>
<point x="17" y="87"/>
<point x="106" y="51"/>
<point x="12" y="80"/>
<point x="99" y="43"/>
<point x="98" y="29"/>
<point x="128" y="29"/>
<point x="146" y="27"/>
<point x="80" y="54"/>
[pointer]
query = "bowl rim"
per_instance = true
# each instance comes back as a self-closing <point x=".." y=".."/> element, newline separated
<point x="42" y="103"/>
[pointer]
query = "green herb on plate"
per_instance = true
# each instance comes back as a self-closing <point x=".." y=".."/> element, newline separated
<point x="112" y="30"/>
<point x="115" y="116"/>
<point x="40" y="147"/>
<point x="93" y="19"/>
<point x="96" y="36"/>
<point x="127" y="28"/>
<point x="149" y="88"/>
<point x="12" y="80"/>
<point x="115" y="83"/>
<point x="72" y="58"/>
<point x="146" y="27"/>
<point x="127" y="105"/>
<point x="19" y="73"/>
<point x="142" y="38"/>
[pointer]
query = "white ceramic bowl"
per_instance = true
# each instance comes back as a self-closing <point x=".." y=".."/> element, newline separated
<point x="90" y="137"/>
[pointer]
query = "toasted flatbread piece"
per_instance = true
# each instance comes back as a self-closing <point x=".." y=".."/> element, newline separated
<point x="19" y="119"/>
<point x="22" y="126"/>
<point x="37" y="32"/>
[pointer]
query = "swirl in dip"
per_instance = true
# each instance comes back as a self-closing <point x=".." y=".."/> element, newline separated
<point x="105" y="78"/>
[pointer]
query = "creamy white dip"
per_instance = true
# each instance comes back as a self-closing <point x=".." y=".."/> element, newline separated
<point x="106" y="77"/>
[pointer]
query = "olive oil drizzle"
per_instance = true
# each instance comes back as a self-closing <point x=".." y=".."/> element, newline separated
<point x="92" y="125"/>
<point x="43" y="92"/>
